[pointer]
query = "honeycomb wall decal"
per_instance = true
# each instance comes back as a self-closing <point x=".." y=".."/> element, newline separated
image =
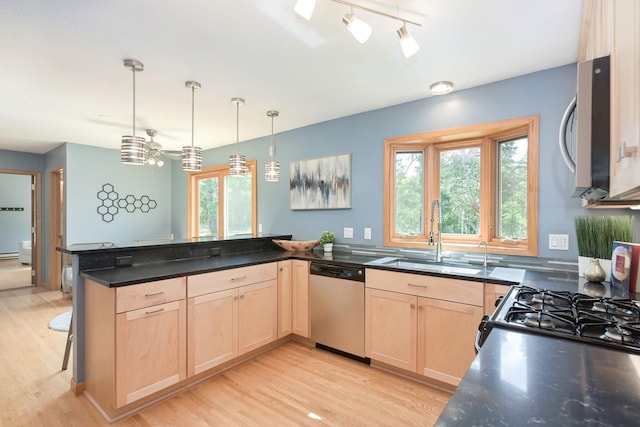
<point x="111" y="204"/>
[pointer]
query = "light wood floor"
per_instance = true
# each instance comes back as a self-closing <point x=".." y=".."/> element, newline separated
<point x="291" y="385"/>
<point x="13" y="274"/>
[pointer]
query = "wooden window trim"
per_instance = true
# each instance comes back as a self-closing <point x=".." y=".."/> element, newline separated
<point x="485" y="135"/>
<point x="218" y="171"/>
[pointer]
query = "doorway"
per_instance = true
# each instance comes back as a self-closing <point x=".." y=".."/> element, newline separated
<point x="20" y="229"/>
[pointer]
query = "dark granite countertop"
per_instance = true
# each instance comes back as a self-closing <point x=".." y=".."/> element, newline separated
<point x="123" y="276"/>
<point x="521" y="379"/>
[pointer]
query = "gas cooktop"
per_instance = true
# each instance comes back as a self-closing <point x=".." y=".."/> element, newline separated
<point x="610" y="322"/>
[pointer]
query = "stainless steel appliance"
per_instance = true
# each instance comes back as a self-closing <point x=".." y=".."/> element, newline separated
<point x="590" y="108"/>
<point x="337" y="307"/>
<point x="603" y="321"/>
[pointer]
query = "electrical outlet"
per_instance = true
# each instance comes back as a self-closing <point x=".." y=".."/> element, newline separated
<point x="259" y="228"/>
<point x="348" y="233"/>
<point x="559" y="242"/>
<point x="367" y="233"/>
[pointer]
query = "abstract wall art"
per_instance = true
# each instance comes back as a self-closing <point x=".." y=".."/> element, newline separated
<point x="320" y="183"/>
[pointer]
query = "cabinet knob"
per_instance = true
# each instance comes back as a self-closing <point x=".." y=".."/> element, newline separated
<point x="412" y="306"/>
<point x="625" y="151"/>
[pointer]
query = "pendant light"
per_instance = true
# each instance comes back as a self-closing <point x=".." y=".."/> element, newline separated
<point x="132" y="146"/>
<point x="192" y="155"/>
<point x="272" y="168"/>
<point x="237" y="162"/>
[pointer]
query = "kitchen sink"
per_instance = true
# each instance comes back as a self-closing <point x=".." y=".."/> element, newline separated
<point x="424" y="266"/>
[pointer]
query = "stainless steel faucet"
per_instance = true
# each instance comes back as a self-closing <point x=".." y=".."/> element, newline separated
<point x="482" y="242"/>
<point x="439" y="242"/>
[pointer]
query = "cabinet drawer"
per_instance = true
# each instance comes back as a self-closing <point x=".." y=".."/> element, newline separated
<point x="147" y="294"/>
<point x="216" y="281"/>
<point x="442" y="288"/>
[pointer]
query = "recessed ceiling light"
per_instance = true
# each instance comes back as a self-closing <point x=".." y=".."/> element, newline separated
<point x="441" y="88"/>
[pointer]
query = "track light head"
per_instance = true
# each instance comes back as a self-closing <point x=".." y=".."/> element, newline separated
<point x="359" y="29"/>
<point x="305" y="8"/>
<point x="407" y="42"/>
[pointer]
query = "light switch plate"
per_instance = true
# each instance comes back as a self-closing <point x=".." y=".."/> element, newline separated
<point x="559" y="242"/>
<point x="348" y="233"/>
<point x="367" y="233"/>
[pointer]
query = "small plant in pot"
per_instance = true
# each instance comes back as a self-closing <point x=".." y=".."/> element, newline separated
<point x="595" y="236"/>
<point x="326" y="240"/>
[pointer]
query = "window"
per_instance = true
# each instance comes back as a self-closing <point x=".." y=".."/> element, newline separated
<point x="484" y="178"/>
<point x="220" y="204"/>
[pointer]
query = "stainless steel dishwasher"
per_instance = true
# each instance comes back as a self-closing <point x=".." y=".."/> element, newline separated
<point x="337" y="308"/>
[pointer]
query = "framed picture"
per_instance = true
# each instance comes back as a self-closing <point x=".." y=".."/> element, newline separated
<point x="321" y="183"/>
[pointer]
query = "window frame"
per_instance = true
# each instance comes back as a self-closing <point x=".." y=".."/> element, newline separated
<point x="487" y="136"/>
<point x="220" y="171"/>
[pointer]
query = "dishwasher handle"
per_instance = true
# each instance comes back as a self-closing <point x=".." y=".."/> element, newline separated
<point x="337" y="271"/>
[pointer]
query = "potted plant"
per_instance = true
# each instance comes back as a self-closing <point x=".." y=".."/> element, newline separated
<point x="326" y="240"/>
<point x="595" y="236"/>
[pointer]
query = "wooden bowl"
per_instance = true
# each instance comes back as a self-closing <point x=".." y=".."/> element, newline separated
<point x="296" y="245"/>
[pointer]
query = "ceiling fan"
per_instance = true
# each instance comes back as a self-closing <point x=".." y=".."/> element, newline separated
<point x="153" y="151"/>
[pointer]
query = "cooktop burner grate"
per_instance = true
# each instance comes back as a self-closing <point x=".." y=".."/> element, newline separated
<point x="612" y="322"/>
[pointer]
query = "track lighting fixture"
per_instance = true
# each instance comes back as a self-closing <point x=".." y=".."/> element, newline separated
<point x="272" y="168"/>
<point x="360" y="30"/>
<point x="238" y="162"/>
<point x="305" y="8"/>
<point x="407" y="42"/>
<point x="192" y="155"/>
<point x="132" y="146"/>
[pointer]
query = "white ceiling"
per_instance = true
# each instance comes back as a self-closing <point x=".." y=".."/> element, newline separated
<point x="62" y="77"/>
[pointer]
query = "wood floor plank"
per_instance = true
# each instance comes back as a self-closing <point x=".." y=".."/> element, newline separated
<point x="291" y="385"/>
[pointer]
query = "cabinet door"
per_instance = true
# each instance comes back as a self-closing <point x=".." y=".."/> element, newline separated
<point x="151" y="350"/>
<point x="258" y="315"/>
<point x="625" y="105"/>
<point x="213" y="330"/>
<point x="285" y="298"/>
<point x="491" y="294"/>
<point x="446" y="335"/>
<point x="391" y="328"/>
<point x="300" y="280"/>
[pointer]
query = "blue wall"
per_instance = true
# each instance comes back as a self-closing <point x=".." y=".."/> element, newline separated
<point x="88" y="170"/>
<point x="545" y="93"/>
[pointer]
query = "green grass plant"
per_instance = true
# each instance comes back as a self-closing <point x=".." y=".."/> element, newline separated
<point x="596" y="234"/>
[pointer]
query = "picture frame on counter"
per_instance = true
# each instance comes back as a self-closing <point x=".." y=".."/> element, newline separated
<point x="323" y="183"/>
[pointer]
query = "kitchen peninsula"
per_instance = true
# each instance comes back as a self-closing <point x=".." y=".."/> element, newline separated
<point x="171" y="265"/>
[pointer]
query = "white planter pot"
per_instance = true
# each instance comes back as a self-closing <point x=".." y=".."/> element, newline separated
<point x="583" y="263"/>
<point x="328" y="247"/>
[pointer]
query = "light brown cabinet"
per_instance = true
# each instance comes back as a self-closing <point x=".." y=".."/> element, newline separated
<point x="300" y="297"/>
<point x="136" y="340"/>
<point x="492" y="292"/>
<point x="625" y="102"/>
<point x="285" y="298"/>
<point x="423" y="324"/>
<point x="230" y="315"/>
<point x="613" y="28"/>
<point x="293" y="298"/>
